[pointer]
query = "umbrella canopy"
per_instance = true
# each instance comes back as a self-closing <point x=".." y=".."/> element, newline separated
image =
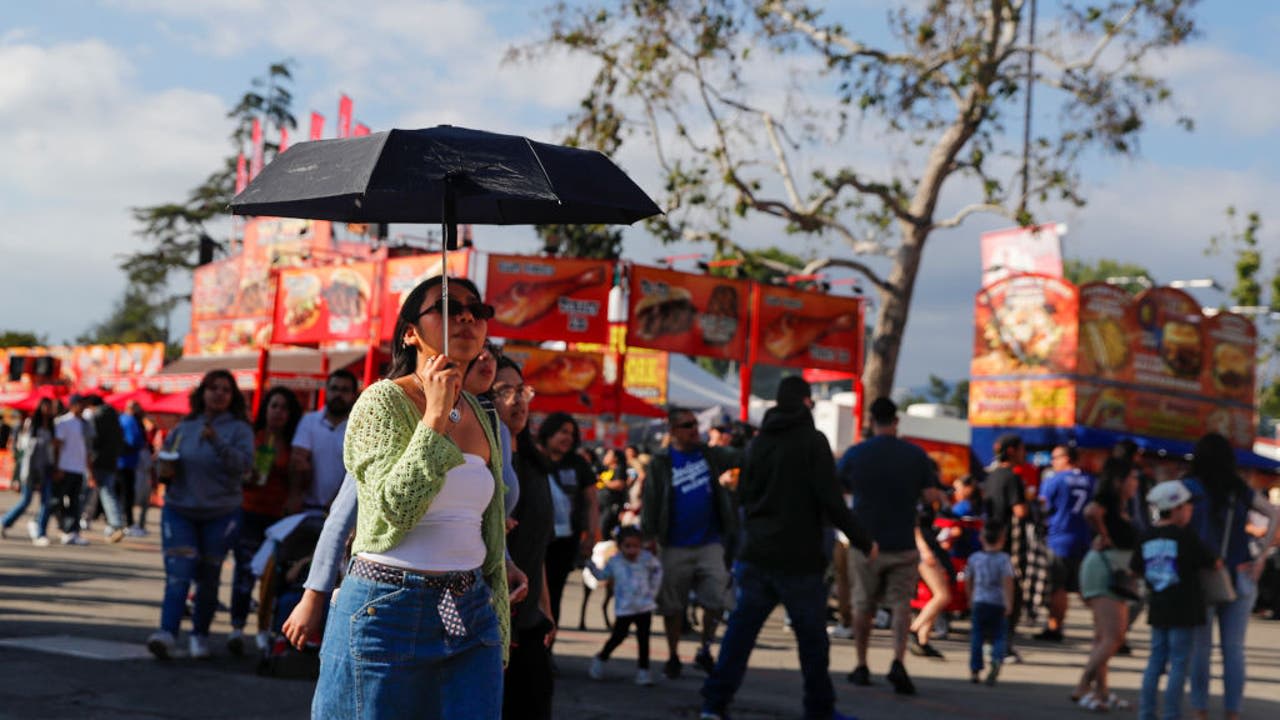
<point x="444" y="174"/>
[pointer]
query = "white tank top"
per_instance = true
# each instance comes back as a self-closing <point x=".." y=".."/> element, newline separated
<point x="447" y="538"/>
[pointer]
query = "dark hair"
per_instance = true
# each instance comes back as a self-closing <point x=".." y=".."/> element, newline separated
<point x="793" y="390"/>
<point x="552" y="425"/>
<point x="404" y="359"/>
<point x="884" y="411"/>
<point x="992" y="531"/>
<point x="1114" y="472"/>
<point x="625" y="532"/>
<point x="237" y="408"/>
<point x="292" y="406"/>
<point x="343" y="374"/>
<point x="1213" y="463"/>
<point x="1006" y="445"/>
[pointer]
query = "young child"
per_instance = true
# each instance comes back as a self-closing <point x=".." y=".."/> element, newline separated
<point x="1169" y="558"/>
<point x="636" y="575"/>
<point x="990" y="584"/>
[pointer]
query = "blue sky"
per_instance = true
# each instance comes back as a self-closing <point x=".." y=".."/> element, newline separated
<point x="113" y="104"/>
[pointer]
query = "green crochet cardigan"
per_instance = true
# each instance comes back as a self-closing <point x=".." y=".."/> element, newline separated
<point x="399" y="464"/>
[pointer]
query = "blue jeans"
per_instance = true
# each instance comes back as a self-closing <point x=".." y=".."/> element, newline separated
<point x="386" y="655"/>
<point x="758" y="592"/>
<point x="1171" y="646"/>
<point x="988" y="622"/>
<point x="1232" y="620"/>
<point x="109" y="495"/>
<point x="194" y="549"/>
<point x="24" y="501"/>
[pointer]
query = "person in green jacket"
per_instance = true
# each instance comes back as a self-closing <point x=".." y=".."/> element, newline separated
<point x="420" y="627"/>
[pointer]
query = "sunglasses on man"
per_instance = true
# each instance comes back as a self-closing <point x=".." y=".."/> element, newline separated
<point x="456" y="307"/>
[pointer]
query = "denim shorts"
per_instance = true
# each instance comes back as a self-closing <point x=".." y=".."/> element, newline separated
<point x="386" y="654"/>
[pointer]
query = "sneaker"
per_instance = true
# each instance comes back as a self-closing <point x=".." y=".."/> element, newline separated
<point x="1048" y="635"/>
<point x="134" y="531"/>
<point x="596" y="671"/>
<point x="73" y="539"/>
<point x="703" y="660"/>
<point x="115" y="536"/>
<point x="842" y="632"/>
<point x="924" y="650"/>
<point x="235" y="642"/>
<point x="993" y="674"/>
<point x="643" y="679"/>
<point x="900" y="680"/>
<point x="160" y="643"/>
<point x="672" y="668"/>
<point x="860" y="676"/>
<point x="33" y="530"/>
<point x="41" y="541"/>
<point x="199" y="647"/>
<point x="262" y="640"/>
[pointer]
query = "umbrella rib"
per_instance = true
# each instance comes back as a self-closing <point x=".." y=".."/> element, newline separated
<point x="541" y="167"/>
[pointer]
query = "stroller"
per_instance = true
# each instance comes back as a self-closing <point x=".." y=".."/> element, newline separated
<point x="282" y="565"/>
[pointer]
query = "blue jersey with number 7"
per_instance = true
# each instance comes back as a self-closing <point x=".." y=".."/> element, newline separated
<point x="1065" y="495"/>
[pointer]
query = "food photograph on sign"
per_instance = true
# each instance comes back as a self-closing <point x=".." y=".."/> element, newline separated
<point x="544" y="298"/>
<point x="687" y="313"/>
<point x="807" y="329"/>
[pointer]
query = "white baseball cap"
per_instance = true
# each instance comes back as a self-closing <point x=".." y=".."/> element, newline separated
<point x="1168" y="495"/>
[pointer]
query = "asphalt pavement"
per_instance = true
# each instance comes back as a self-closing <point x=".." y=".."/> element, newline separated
<point x="73" y="621"/>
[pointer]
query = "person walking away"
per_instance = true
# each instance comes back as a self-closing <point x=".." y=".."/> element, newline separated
<point x="1114" y="540"/>
<point x="214" y="454"/>
<point x="990" y="578"/>
<point x="788" y="492"/>
<point x="887" y="477"/>
<point x="690" y="514"/>
<point x="316" y="456"/>
<point x="265" y="496"/>
<point x="1064" y="495"/>
<point x="1005" y="501"/>
<point x="636" y="576"/>
<point x="1221" y="504"/>
<point x="1169" y="558"/>
<point x="34" y="443"/>
<point x="70" y="468"/>
<point x="133" y="443"/>
<point x="107" y="445"/>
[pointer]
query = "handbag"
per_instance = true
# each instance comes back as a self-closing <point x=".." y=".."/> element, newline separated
<point x="1218" y="585"/>
<point x="1124" y="584"/>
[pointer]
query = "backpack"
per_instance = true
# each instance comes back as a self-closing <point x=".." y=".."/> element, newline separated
<point x="108" y="438"/>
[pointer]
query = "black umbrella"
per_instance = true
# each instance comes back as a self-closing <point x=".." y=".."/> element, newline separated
<point x="448" y="175"/>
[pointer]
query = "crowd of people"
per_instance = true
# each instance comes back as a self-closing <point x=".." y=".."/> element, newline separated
<point x="451" y="527"/>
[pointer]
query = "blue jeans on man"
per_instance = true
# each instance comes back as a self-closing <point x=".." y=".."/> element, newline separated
<point x="194" y="549"/>
<point x="1170" y="646"/>
<point x="758" y="592"/>
<point x="988" y="622"/>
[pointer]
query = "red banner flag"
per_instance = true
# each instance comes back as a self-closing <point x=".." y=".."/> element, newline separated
<point x="317" y="125"/>
<point x="344" y="116"/>
<point x="361" y="129"/>
<point x="242" y="173"/>
<point x="284" y="139"/>
<point x="255" y="165"/>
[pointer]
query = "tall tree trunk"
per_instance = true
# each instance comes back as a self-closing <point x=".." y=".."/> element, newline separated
<point x="891" y="317"/>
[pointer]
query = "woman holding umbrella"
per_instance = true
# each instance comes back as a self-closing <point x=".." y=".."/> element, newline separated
<point x="422" y="623"/>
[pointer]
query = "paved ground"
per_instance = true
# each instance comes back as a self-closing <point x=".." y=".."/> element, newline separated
<point x="103" y="600"/>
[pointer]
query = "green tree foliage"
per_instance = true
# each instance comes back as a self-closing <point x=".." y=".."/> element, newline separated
<point x="697" y="81"/>
<point x="171" y="232"/>
<point x="21" y="338"/>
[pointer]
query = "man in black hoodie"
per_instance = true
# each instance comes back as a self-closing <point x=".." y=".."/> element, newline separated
<point x="788" y="492"/>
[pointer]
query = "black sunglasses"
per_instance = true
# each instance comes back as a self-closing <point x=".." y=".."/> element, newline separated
<point x="478" y="309"/>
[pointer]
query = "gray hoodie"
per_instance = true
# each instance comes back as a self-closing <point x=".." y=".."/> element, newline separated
<point x="210" y="473"/>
